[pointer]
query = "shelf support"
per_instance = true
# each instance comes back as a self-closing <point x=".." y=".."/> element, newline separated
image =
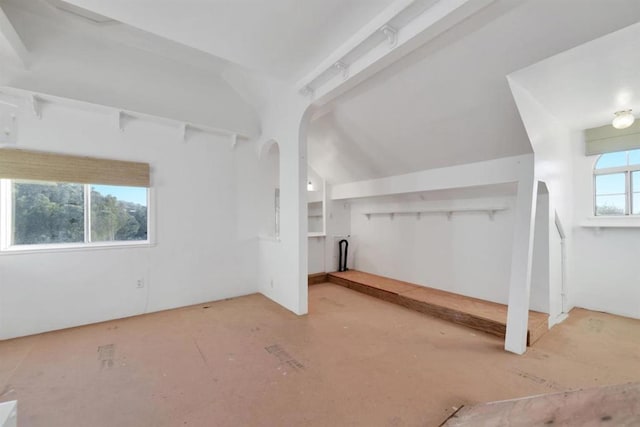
<point x="120" y="120"/>
<point x="36" y="106"/>
<point x="184" y="127"/>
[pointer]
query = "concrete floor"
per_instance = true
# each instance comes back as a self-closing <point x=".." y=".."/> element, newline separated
<point x="353" y="360"/>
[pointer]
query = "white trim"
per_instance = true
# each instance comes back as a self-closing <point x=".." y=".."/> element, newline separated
<point x="7" y="246"/>
<point x="71" y="247"/>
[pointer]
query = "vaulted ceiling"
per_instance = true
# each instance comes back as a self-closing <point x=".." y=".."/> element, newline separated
<point x="449" y="102"/>
<point x="283" y="38"/>
<point x="446" y="103"/>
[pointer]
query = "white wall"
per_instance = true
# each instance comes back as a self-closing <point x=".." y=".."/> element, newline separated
<point x="469" y="254"/>
<point x="323" y="250"/>
<point x="198" y="255"/>
<point x="606" y="271"/>
<point x="553" y="144"/>
<point x="601" y="268"/>
<point x="282" y="264"/>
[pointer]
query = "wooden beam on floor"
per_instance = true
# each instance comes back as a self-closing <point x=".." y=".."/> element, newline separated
<point x="474" y="313"/>
<point x="609" y="405"/>
<point x="317" y="278"/>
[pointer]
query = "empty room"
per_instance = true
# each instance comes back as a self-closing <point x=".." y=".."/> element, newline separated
<point x="319" y="213"/>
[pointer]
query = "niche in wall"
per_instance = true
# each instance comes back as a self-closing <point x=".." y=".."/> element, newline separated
<point x="269" y="207"/>
<point x="316" y="204"/>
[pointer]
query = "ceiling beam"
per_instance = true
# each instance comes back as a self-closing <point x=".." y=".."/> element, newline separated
<point x="11" y="42"/>
<point x="401" y="28"/>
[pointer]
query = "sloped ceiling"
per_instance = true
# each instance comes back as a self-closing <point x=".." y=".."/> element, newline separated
<point x="583" y="87"/>
<point x="115" y="65"/>
<point x="282" y="38"/>
<point x="449" y="102"/>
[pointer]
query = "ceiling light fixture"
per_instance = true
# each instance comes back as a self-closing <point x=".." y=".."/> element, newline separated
<point x="623" y="119"/>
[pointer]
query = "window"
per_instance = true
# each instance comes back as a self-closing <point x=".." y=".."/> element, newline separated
<point x="50" y="200"/>
<point x="617" y="183"/>
<point x="59" y="214"/>
<point x="67" y="214"/>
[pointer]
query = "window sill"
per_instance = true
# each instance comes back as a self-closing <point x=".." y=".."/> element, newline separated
<point x="611" y="222"/>
<point x="53" y="248"/>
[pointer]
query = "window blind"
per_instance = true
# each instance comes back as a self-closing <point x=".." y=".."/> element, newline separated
<point x="607" y="139"/>
<point x="41" y="166"/>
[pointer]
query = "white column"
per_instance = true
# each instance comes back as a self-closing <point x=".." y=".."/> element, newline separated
<point x="521" y="261"/>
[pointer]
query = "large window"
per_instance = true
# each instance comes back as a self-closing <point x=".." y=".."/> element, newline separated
<point x="617" y="183"/>
<point x="52" y="200"/>
<point x="57" y="214"/>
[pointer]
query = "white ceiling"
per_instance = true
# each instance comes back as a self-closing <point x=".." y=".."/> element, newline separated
<point x="449" y="102"/>
<point x="584" y="86"/>
<point x="119" y="66"/>
<point x="283" y="38"/>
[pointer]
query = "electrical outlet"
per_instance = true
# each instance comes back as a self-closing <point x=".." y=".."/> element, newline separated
<point x="272" y="283"/>
<point x="140" y="283"/>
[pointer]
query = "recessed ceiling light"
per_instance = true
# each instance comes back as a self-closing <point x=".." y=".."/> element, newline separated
<point x="623" y="119"/>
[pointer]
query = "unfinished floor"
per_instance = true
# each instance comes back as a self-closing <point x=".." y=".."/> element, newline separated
<point x="354" y="360"/>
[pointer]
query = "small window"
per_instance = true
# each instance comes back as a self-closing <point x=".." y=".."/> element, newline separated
<point x="67" y="214"/>
<point x="118" y="213"/>
<point x="47" y="213"/>
<point x="617" y="183"/>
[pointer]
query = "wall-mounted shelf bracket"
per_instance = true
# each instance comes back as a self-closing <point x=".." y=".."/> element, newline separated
<point x="184" y="128"/>
<point x="36" y="106"/>
<point x="490" y="211"/>
<point x="391" y="34"/>
<point x="120" y="120"/>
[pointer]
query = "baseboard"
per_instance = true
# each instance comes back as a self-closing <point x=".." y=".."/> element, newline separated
<point x="317" y="278"/>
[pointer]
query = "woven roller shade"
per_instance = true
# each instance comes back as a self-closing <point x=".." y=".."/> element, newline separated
<point x="40" y="166"/>
<point x="607" y="139"/>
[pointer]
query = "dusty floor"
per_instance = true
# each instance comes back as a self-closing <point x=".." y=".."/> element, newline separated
<point x="353" y="360"/>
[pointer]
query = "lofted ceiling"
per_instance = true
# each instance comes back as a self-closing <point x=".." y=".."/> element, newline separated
<point x="446" y="103"/>
<point x="282" y="38"/>
<point x="584" y="86"/>
<point x="107" y="63"/>
<point x="449" y="102"/>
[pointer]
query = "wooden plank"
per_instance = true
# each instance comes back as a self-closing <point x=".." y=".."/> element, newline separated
<point x="475" y="313"/>
<point x="617" y="405"/>
<point x="317" y="278"/>
<point x="380" y="282"/>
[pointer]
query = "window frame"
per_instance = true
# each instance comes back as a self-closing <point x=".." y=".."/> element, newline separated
<point x="628" y="171"/>
<point x="6" y="224"/>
